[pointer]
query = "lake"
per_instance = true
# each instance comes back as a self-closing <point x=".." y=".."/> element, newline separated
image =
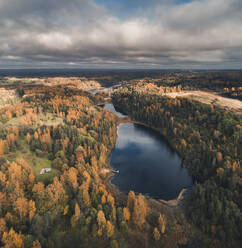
<point x="110" y="107"/>
<point x="146" y="162"/>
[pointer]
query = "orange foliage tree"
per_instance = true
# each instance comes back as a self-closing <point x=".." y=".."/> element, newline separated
<point x="12" y="239"/>
<point x="140" y="211"/>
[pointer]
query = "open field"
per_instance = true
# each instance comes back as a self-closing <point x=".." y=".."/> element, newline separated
<point x="47" y="119"/>
<point x="8" y="97"/>
<point x="211" y="98"/>
<point x="36" y="163"/>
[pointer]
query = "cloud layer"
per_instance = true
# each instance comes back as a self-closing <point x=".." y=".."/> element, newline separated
<point x="84" y="33"/>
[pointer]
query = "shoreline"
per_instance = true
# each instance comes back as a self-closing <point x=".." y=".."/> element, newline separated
<point x="168" y="203"/>
<point x="173" y="203"/>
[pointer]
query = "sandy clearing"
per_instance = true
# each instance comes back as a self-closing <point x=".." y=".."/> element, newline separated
<point x="211" y="98"/>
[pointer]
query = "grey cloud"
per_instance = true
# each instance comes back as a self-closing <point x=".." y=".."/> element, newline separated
<point x="79" y="32"/>
<point x="203" y="15"/>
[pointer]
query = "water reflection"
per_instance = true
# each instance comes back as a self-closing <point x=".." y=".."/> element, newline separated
<point x="110" y="107"/>
<point x="147" y="164"/>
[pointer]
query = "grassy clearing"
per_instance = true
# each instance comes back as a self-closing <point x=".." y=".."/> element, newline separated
<point x="35" y="162"/>
<point x="10" y="101"/>
<point x="47" y="119"/>
<point x="8" y="97"/>
<point x="14" y="121"/>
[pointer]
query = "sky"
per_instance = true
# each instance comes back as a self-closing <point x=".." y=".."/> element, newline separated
<point x="121" y="34"/>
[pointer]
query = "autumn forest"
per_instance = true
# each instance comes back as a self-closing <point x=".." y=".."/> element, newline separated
<point x="56" y="139"/>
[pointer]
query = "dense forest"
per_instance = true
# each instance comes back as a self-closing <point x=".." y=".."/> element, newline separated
<point x="65" y="130"/>
<point x="209" y="140"/>
<point x="61" y="127"/>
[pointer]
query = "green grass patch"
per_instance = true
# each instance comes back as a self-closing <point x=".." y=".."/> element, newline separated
<point x="14" y="121"/>
<point x="47" y="119"/>
<point x="36" y="163"/>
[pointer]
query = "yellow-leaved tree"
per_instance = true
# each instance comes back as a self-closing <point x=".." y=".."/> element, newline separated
<point x="162" y="223"/>
<point x="110" y="229"/>
<point x="12" y="239"/>
<point x="156" y="234"/>
<point x="140" y="211"/>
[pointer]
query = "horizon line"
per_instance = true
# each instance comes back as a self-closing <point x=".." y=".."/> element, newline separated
<point x="113" y="69"/>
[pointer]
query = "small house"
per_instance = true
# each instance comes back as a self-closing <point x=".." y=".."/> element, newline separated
<point x="45" y="170"/>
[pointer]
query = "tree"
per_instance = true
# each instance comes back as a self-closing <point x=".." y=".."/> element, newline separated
<point x="220" y="172"/>
<point x="2" y="144"/>
<point x="36" y="136"/>
<point x="3" y="180"/>
<point x="28" y="137"/>
<point x="162" y="223"/>
<point x="71" y="175"/>
<point x="103" y="199"/>
<point x="219" y="156"/>
<point x="3" y="226"/>
<point x="32" y="209"/>
<point x="84" y="188"/>
<point x="12" y="239"/>
<point x="110" y="229"/>
<point x="131" y="200"/>
<point x="114" y="244"/>
<point x="110" y="199"/>
<point x="126" y="214"/>
<point x="57" y="194"/>
<point x="140" y="211"/>
<point x="21" y="206"/>
<point x="156" y="234"/>
<point x="77" y="214"/>
<point x="85" y="194"/>
<point x="36" y="244"/>
<point x="9" y="115"/>
<point x="101" y="220"/>
<point x="38" y="189"/>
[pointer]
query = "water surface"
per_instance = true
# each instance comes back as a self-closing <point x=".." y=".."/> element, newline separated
<point x="147" y="164"/>
<point x="111" y="108"/>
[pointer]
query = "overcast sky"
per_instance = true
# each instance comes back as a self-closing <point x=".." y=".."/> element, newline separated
<point x="121" y="33"/>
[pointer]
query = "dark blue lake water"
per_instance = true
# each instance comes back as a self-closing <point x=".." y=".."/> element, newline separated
<point x="147" y="164"/>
